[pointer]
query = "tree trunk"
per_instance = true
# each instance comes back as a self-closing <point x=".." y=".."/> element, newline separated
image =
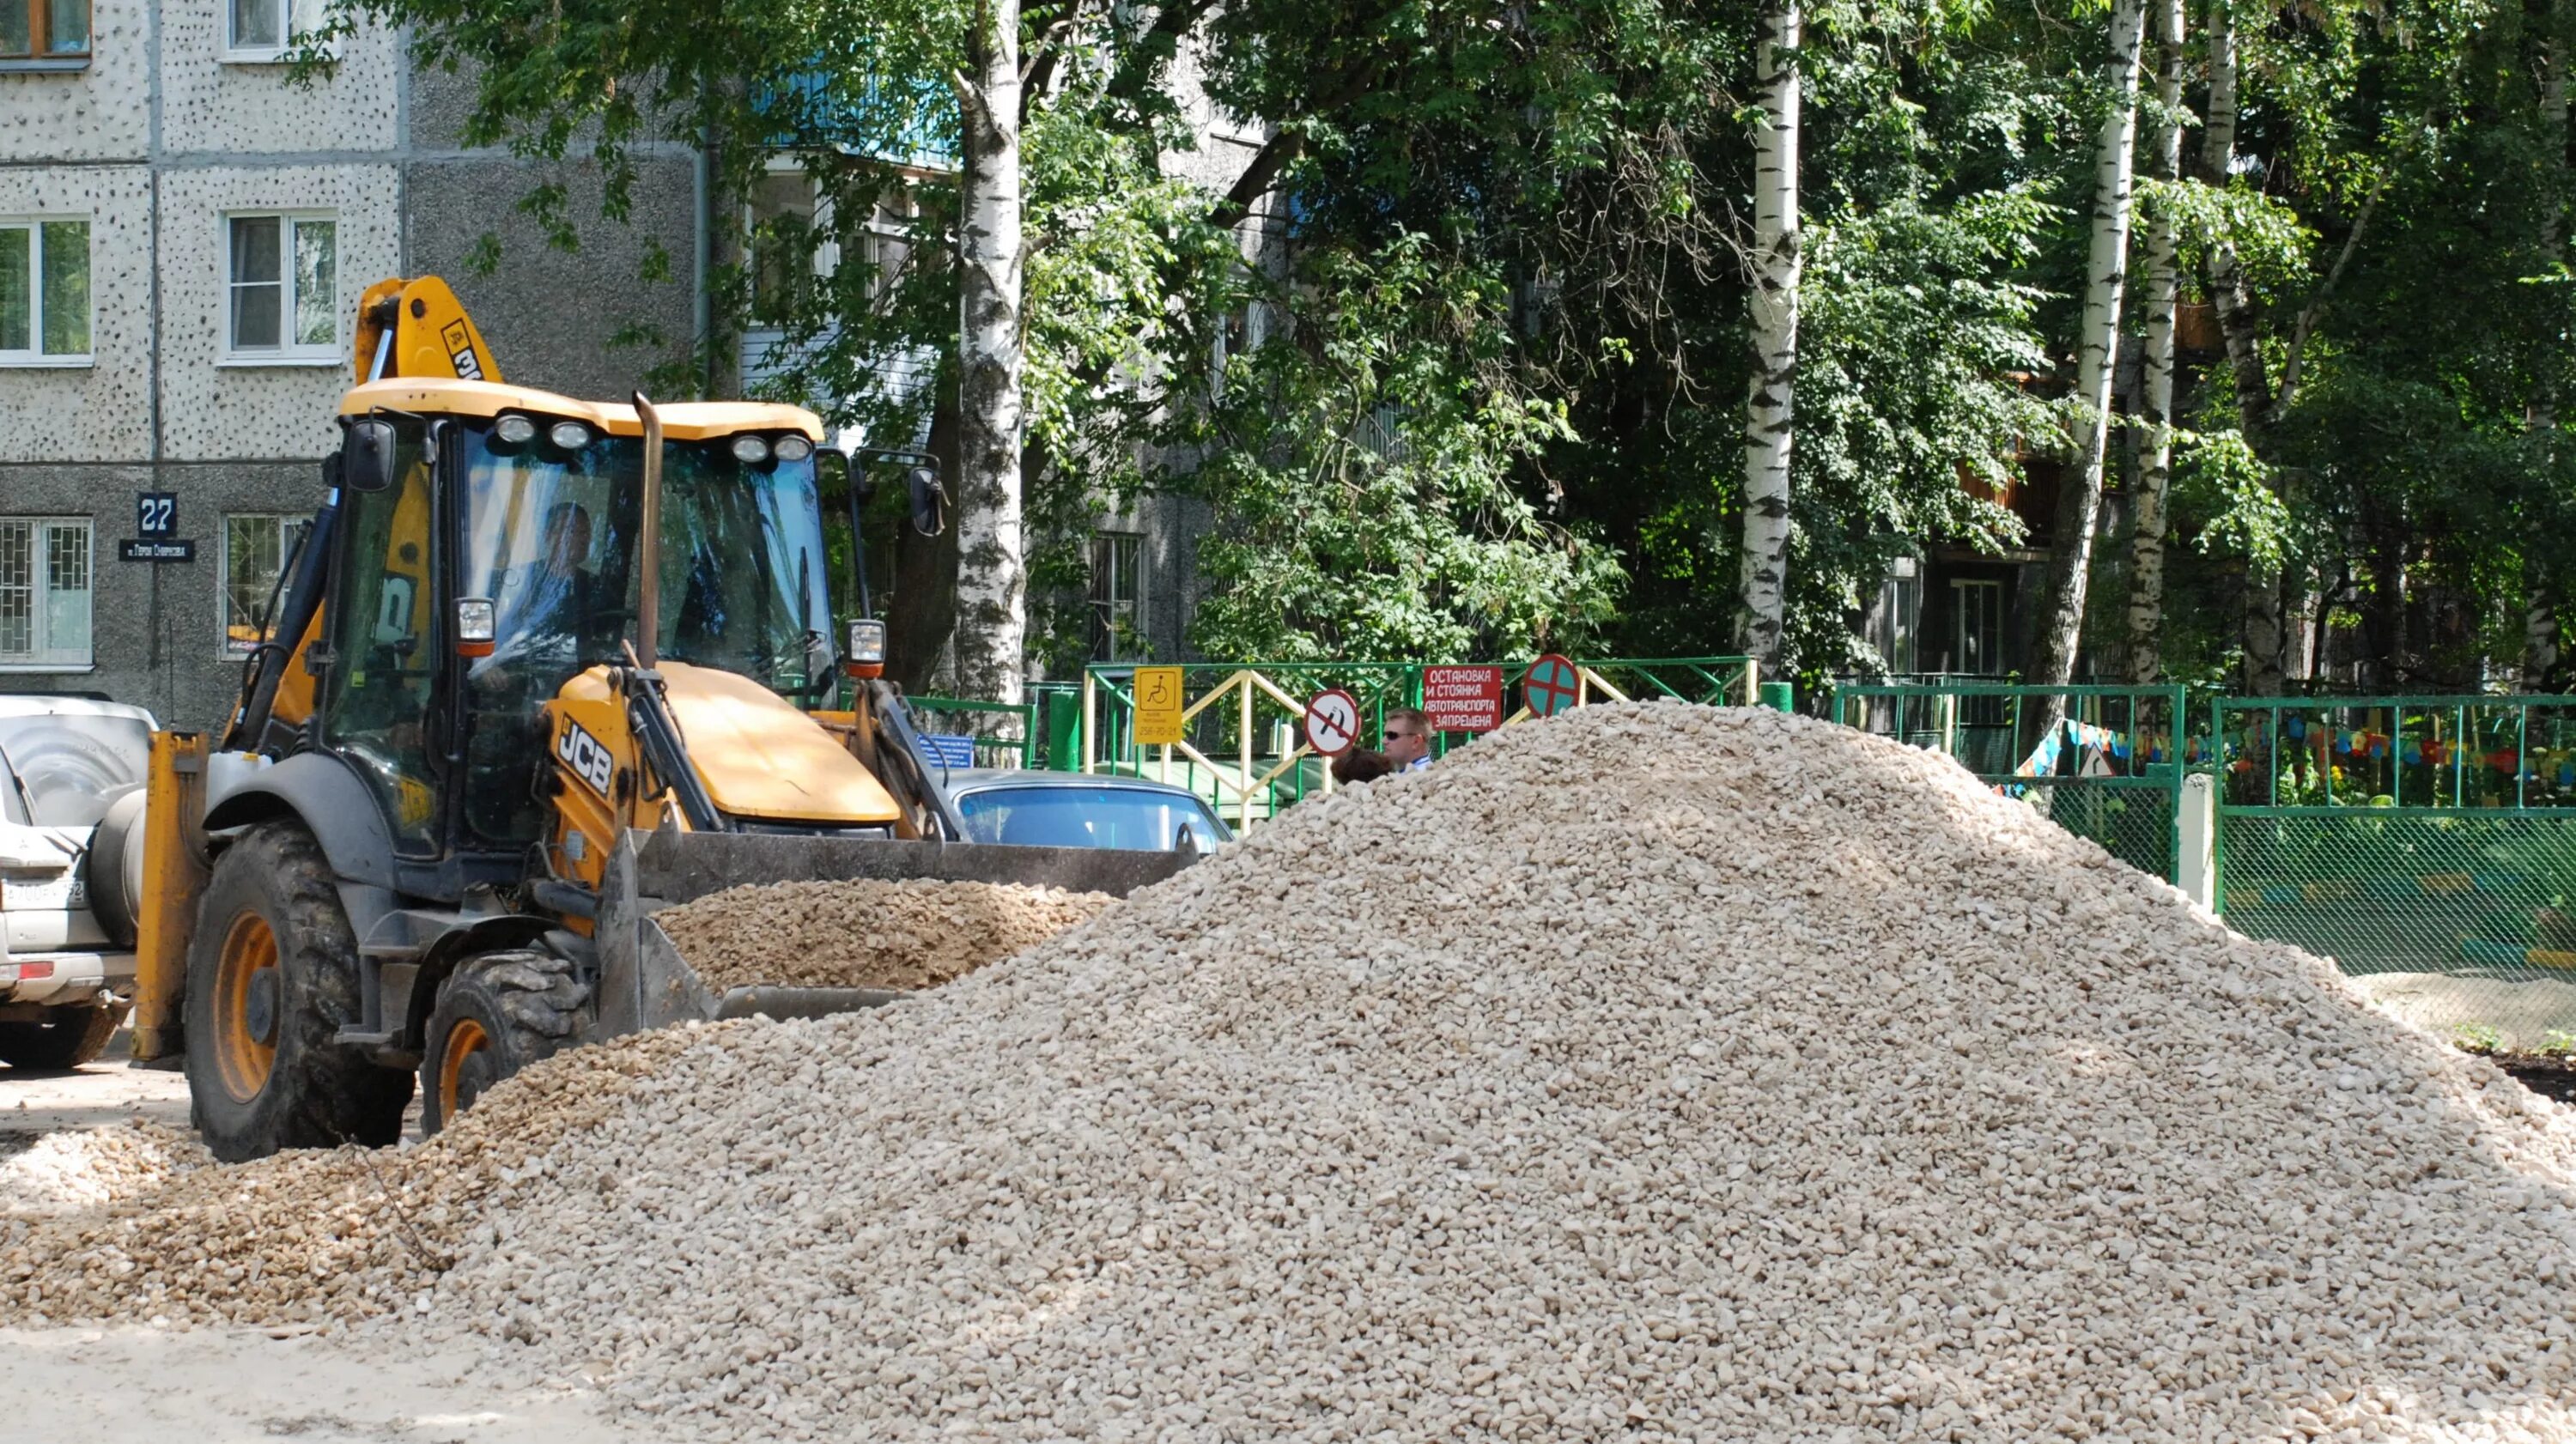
<point x="1769" y="425"/>
<point x="2155" y="457"/>
<point x="2540" y="611"/>
<point x="923" y="616"/>
<point x="2079" y="503"/>
<point x="2300" y="602"/>
<point x="992" y="579"/>
<point x="2235" y="307"/>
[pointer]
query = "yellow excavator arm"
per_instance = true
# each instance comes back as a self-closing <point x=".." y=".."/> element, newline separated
<point x="418" y="328"/>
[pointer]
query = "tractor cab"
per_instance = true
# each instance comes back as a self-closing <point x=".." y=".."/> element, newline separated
<point x="490" y="550"/>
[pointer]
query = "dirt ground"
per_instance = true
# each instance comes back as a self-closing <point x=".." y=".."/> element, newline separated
<point x="142" y="1385"/>
<point x="107" y="1091"/>
<point x="230" y="1386"/>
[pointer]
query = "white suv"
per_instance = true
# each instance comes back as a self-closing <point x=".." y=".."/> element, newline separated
<point x="71" y="861"/>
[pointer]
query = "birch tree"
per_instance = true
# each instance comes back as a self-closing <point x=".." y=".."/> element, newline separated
<point x="2232" y="299"/>
<point x="2155" y="459"/>
<point x="2540" y="611"/>
<point x="2080" y="501"/>
<point x="1770" y="413"/>
<point x="992" y="578"/>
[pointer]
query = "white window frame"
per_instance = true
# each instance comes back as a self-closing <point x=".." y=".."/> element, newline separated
<point x="36" y="355"/>
<point x="287" y="524"/>
<point x="288" y="352"/>
<point x="1962" y="589"/>
<point x="43" y="658"/>
<point x="826" y="257"/>
<point x="296" y="15"/>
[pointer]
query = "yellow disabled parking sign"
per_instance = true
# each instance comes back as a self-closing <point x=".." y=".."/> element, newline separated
<point x="1158" y="706"/>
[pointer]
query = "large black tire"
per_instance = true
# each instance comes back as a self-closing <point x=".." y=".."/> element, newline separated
<point x="496" y="1014"/>
<point x="272" y="976"/>
<point x="69" y="1037"/>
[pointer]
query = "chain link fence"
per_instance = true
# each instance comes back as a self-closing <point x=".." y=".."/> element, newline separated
<point x="2427" y="845"/>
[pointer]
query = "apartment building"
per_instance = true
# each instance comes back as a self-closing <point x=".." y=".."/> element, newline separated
<point x="185" y="228"/>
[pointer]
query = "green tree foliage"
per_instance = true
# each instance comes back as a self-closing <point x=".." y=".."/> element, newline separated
<point x="1473" y="381"/>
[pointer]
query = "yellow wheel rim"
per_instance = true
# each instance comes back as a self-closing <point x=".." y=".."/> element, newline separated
<point x="464" y="1040"/>
<point x="241" y="1059"/>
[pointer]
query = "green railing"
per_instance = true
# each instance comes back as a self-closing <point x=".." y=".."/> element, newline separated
<point x="2109" y="768"/>
<point x="1244" y="749"/>
<point x="987" y="724"/>
<point x="2426" y="844"/>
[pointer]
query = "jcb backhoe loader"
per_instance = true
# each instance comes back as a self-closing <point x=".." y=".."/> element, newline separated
<point x="542" y="665"/>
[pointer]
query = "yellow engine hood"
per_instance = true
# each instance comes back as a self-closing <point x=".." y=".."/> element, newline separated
<point x="761" y="758"/>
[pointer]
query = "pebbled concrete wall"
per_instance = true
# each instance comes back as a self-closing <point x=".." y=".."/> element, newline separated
<point x="214" y="106"/>
<point x="101" y="113"/>
<point x="216" y="409"/>
<point x="101" y="412"/>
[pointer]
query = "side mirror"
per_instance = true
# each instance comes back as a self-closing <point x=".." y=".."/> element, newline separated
<point x="1185" y="841"/>
<point x="929" y="501"/>
<point x="367" y="455"/>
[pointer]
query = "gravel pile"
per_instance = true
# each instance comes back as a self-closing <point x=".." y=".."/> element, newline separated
<point x="1652" y="1073"/>
<point x="302" y="1237"/>
<point x="1655" y="1073"/>
<point x="76" y="1169"/>
<point x="908" y="935"/>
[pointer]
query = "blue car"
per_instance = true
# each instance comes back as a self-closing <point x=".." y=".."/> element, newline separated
<point x="1069" y="809"/>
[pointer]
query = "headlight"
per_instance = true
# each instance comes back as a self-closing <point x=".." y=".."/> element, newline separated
<point x="867" y="640"/>
<point x="514" y="430"/>
<point x="475" y="626"/>
<point x="568" y="435"/>
<point x="793" y="448"/>
<point x="750" y="450"/>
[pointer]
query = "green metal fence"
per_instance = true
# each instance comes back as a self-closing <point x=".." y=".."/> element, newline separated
<point x="2426" y="844"/>
<point x="2106" y="768"/>
<point x="1244" y="750"/>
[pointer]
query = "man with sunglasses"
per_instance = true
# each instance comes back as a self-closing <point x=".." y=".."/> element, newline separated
<point x="1407" y="736"/>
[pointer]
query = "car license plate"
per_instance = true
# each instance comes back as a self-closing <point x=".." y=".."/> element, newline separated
<point x="42" y="892"/>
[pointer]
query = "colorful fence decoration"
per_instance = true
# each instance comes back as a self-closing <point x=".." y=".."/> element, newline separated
<point x="2427" y="844"/>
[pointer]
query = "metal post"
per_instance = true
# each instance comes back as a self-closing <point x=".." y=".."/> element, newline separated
<point x="2397" y="755"/>
<point x="2196" y="820"/>
<point x="648" y="608"/>
<point x="2459" y="762"/>
<point x="1243" y="681"/>
<point x="1090" y="718"/>
<point x="1753" y="681"/>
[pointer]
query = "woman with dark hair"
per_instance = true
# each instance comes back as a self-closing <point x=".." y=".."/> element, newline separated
<point x="1361" y="765"/>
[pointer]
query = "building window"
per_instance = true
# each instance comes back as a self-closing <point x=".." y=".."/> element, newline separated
<point x="263" y="31"/>
<point x="44" y="592"/>
<point x="256" y="550"/>
<point x="1117" y="595"/>
<point x="283" y="301"/>
<point x="1977" y="627"/>
<point x="44" y="293"/>
<point x="44" y="29"/>
<point x="787" y="250"/>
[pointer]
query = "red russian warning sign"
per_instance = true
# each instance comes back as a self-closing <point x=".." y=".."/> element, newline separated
<point x="1463" y="699"/>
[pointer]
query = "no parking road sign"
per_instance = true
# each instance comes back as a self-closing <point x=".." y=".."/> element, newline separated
<point x="1551" y="685"/>
<point x="1332" y="721"/>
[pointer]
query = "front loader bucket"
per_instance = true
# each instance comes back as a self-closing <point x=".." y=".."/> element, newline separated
<point x="645" y="983"/>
